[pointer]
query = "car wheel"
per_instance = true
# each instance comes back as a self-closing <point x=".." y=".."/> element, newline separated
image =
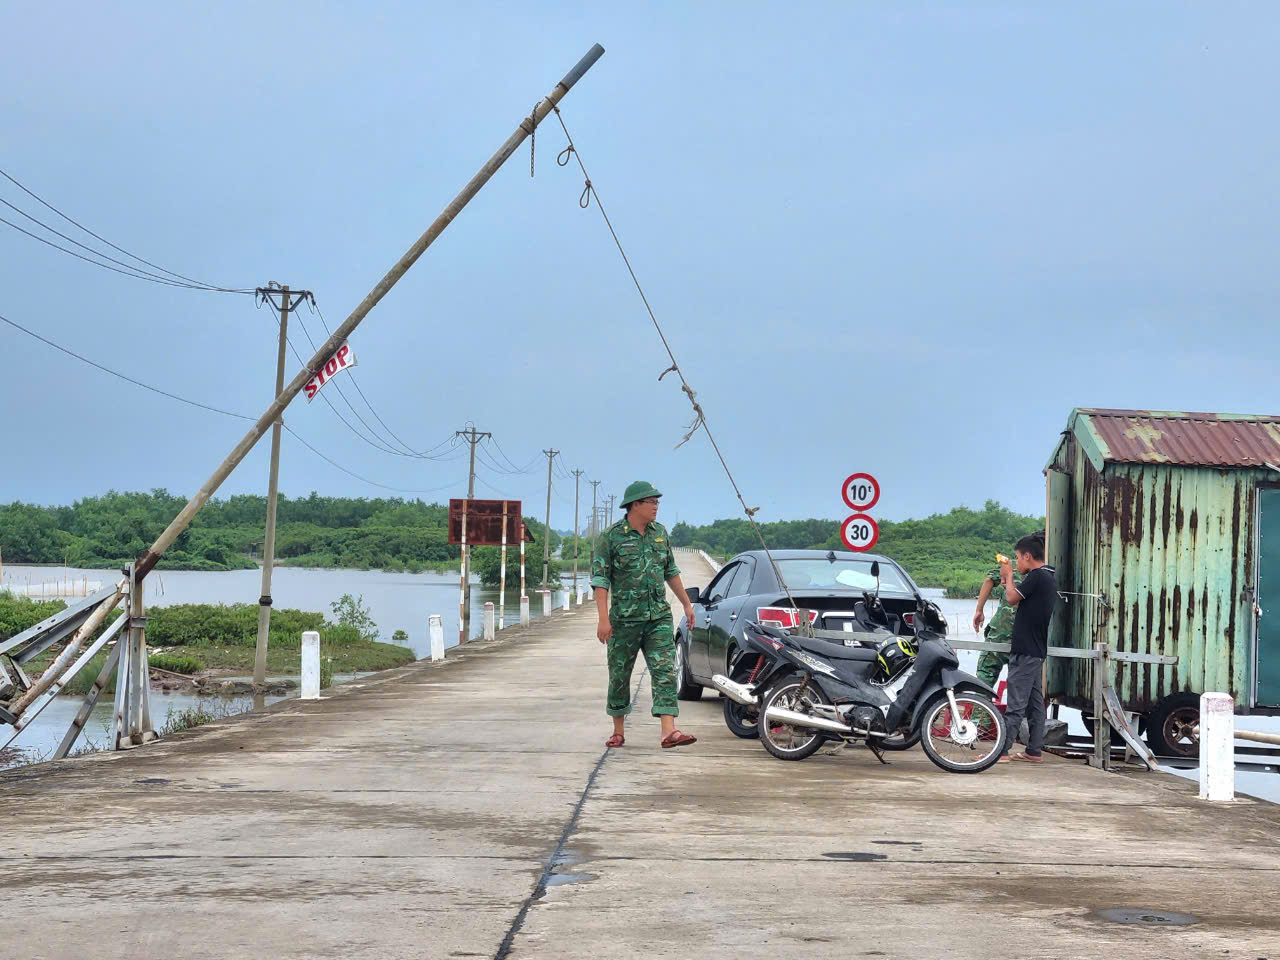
<point x="686" y="689"/>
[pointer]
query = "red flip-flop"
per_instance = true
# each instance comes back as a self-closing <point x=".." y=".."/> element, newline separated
<point x="616" y="740"/>
<point x="677" y="739"/>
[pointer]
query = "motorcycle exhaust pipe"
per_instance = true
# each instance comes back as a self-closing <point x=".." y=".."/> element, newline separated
<point x="738" y="692"/>
<point x="783" y="715"/>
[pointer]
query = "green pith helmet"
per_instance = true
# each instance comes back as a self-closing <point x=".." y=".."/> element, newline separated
<point x="639" y="491"/>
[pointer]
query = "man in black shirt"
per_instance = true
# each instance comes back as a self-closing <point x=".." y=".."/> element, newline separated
<point x="1033" y="600"/>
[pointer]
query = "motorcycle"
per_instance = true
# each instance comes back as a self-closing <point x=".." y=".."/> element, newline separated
<point x="756" y="664"/>
<point x="810" y="690"/>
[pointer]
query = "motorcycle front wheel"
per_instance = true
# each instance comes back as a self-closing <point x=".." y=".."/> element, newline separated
<point x="962" y="747"/>
<point x="781" y="739"/>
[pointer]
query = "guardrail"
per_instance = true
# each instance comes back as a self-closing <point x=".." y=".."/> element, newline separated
<point x="1106" y="702"/>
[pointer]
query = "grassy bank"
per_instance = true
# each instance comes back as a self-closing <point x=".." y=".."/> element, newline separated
<point x="193" y="638"/>
<point x="351" y="659"/>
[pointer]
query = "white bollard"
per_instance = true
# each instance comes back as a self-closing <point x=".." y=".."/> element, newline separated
<point x="546" y="602"/>
<point x="566" y="601"/>
<point x="435" y="628"/>
<point x="524" y="611"/>
<point x="310" y="665"/>
<point x="1217" y="747"/>
<point x="488" y="620"/>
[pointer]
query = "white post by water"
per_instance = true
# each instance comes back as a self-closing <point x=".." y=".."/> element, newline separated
<point x="488" y="620"/>
<point x="1217" y="747"/>
<point x="567" y="598"/>
<point x="546" y="602"/>
<point x="435" y="629"/>
<point x="524" y="611"/>
<point x="310" y="665"/>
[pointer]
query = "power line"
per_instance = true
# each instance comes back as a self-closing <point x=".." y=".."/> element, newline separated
<point x="525" y="469"/>
<point x="134" y="256"/>
<point x="107" y="266"/>
<point x="203" y="406"/>
<point x="356" y="383"/>
<point x="377" y="442"/>
<point x="117" y="373"/>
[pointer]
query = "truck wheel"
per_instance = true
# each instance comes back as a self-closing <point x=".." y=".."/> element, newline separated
<point x="1172" y="727"/>
<point x="686" y="689"/>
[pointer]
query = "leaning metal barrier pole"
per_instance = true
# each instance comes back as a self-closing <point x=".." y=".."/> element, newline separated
<point x="148" y="560"/>
<point x="59" y="666"/>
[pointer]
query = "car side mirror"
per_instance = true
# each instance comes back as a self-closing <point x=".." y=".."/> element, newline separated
<point x="695" y="595"/>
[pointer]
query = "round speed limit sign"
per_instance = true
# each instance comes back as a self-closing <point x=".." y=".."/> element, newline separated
<point x="860" y="532"/>
<point x="861" y="491"/>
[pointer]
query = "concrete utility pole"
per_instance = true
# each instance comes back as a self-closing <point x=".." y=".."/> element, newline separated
<point x="609" y="517"/>
<point x="152" y="555"/>
<point x="473" y="437"/>
<point x="595" y="485"/>
<point x="577" y="478"/>
<point x="269" y="542"/>
<point x="546" y="534"/>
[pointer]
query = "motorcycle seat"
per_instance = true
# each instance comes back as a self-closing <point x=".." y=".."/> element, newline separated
<point x="834" y="651"/>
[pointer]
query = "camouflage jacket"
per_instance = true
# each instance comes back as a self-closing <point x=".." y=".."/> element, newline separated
<point x="634" y="568"/>
<point x="1000" y="629"/>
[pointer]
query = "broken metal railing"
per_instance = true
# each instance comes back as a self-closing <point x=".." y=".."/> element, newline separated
<point x="1106" y="702"/>
<point x="22" y="699"/>
<point x="1107" y="708"/>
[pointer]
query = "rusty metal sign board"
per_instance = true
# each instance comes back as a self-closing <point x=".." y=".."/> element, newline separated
<point x="484" y="522"/>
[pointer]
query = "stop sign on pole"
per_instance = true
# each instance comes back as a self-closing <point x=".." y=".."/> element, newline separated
<point x="861" y="491"/>
<point x="859" y="532"/>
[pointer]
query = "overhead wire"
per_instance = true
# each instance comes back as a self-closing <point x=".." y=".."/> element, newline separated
<point x="356" y="383"/>
<point x="173" y="277"/>
<point x="376" y="442"/>
<point x="204" y="406"/>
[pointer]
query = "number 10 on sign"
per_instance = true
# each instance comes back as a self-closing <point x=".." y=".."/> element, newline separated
<point x="860" y="532"/>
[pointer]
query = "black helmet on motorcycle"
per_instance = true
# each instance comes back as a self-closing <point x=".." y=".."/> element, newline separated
<point x="893" y="657"/>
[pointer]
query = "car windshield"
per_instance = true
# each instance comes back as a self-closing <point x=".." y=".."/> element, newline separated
<point x="839" y="574"/>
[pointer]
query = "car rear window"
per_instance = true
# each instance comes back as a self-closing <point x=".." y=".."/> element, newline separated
<point x="839" y="574"/>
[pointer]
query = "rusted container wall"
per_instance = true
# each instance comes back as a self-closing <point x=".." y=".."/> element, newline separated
<point x="1172" y="549"/>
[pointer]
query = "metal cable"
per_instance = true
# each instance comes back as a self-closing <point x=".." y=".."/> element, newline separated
<point x="142" y="274"/>
<point x="134" y="256"/>
<point x="205" y="406"/>
<point x="700" y="418"/>
<point x="376" y="442"/>
<point x="116" y="373"/>
<point x="425" y="454"/>
<point x="106" y="266"/>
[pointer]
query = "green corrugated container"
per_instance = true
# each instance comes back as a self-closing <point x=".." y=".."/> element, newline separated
<point x="1165" y="530"/>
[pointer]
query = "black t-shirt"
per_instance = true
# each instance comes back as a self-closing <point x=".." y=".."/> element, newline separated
<point x="1039" y="590"/>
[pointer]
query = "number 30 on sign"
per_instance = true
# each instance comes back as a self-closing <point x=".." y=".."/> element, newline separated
<point x="343" y="358"/>
<point x="860" y="532"/>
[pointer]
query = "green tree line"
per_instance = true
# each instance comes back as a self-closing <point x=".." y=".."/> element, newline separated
<point x="108" y="531"/>
<point x="952" y="550"/>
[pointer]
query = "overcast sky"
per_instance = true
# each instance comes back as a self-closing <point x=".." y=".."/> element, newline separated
<point x="902" y="238"/>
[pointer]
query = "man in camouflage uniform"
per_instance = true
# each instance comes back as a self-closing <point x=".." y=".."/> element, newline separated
<point x="633" y="562"/>
<point x="999" y="630"/>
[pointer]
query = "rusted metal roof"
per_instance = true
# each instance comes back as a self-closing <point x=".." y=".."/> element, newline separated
<point x="1184" y="439"/>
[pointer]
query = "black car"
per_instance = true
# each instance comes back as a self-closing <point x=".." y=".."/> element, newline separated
<point x="826" y="582"/>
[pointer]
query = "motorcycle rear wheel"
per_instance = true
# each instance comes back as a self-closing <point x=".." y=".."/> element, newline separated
<point x="944" y="748"/>
<point x="740" y="719"/>
<point x="783" y="740"/>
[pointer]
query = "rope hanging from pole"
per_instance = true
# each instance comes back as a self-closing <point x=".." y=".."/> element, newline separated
<point x="699" y="415"/>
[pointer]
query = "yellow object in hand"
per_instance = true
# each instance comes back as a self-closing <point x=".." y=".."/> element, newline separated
<point x="1001" y="558"/>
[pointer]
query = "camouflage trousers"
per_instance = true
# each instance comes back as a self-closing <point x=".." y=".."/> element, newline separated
<point x="990" y="664"/>
<point x="656" y="639"/>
